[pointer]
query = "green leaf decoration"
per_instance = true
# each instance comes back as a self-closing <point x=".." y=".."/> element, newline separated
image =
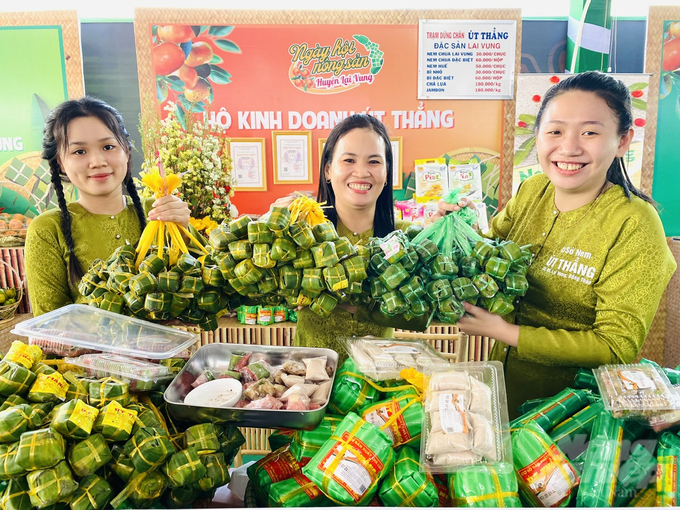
<point x="523" y="131"/>
<point x="175" y="83"/>
<point x="216" y="59"/>
<point x="220" y="31"/>
<point x="362" y="39"/>
<point x="376" y="69"/>
<point x="161" y="90"/>
<point x="529" y="119"/>
<point x="524" y="151"/>
<point x="227" y="45"/>
<point x="639" y="104"/>
<point x="666" y="86"/>
<point x="638" y="86"/>
<point x="218" y="75"/>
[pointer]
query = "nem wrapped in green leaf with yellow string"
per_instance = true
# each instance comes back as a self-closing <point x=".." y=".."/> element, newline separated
<point x="87" y="456"/>
<point x="93" y="493"/>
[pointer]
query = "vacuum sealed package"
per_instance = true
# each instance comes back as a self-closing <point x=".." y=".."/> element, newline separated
<point x="556" y="409"/>
<point x="465" y="419"/>
<point x="382" y="359"/>
<point x="636" y="391"/>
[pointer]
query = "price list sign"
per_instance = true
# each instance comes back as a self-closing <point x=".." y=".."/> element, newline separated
<point x="466" y="59"/>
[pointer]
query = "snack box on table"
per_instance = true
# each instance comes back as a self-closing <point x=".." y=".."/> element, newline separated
<point x="216" y="358"/>
<point x="80" y="329"/>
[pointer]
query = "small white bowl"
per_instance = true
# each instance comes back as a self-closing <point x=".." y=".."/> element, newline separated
<point x="218" y="393"/>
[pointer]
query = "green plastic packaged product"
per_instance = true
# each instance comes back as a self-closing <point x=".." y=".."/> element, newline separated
<point x="555" y="409"/>
<point x="306" y="443"/>
<point x="645" y="498"/>
<point x="545" y="475"/>
<point x="485" y="486"/>
<point x="529" y="405"/>
<point x="634" y="472"/>
<point x="585" y="379"/>
<point x="668" y="466"/>
<point x="400" y="416"/>
<point x="349" y="466"/>
<point x="601" y="467"/>
<point x="405" y="485"/>
<point x="281" y="437"/>
<point x="297" y="491"/>
<point x="273" y="467"/>
<point x="351" y="390"/>
<point x="574" y="432"/>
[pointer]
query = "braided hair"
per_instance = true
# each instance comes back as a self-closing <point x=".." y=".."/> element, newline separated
<point x="55" y="140"/>
<point x="383" y="221"/>
<point x="616" y="95"/>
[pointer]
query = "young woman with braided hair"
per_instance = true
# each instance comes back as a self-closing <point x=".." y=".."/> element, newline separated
<point x="86" y="144"/>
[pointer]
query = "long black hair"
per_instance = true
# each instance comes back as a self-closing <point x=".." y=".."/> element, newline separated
<point x="55" y="140"/>
<point x="616" y="95"/>
<point x="383" y="221"/>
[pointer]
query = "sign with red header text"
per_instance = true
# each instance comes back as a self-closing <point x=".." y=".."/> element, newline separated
<point x="466" y="59"/>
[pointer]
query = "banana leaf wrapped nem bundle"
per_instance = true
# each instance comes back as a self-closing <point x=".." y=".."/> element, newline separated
<point x="413" y="290"/>
<point x="515" y="284"/>
<point x="410" y="260"/>
<point x="335" y="278"/>
<point x="184" y="468"/>
<point x="324" y="254"/>
<point x="483" y="250"/>
<point x="509" y="250"/>
<point x="88" y="455"/>
<point x="443" y="267"/>
<point x="209" y="301"/>
<point x="302" y="234"/>
<point x="355" y="269"/>
<point x="377" y="289"/>
<point x="187" y="263"/>
<point x="259" y="233"/>
<point x="180" y="497"/>
<point x="143" y="283"/>
<point x="312" y="279"/>
<point x="378" y="263"/>
<point x="142" y="489"/>
<point x="148" y="449"/>
<point x="121" y="464"/>
<point x="178" y="304"/>
<point x="11" y="401"/>
<point x="219" y="238"/>
<point x="231" y="439"/>
<point x="216" y="472"/>
<point x="464" y="289"/>
<point x="439" y="289"/>
<point x="134" y="302"/>
<point x="241" y="250"/>
<point x="484" y="486"/>
<point x="115" y="422"/>
<point x="426" y="250"/>
<point x="169" y="281"/>
<point x="290" y="278"/>
<point x="239" y="227"/>
<point x="49" y="486"/>
<point x="405" y="485"/>
<point x="191" y="285"/>
<point x="393" y="276"/>
<point x="470" y="267"/>
<point x="497" y="267"/>
<point x="15" y="379"/>
<point x="15" y="496"/>
<point x="351" y="390"/>
<point x="8" y="462"/>
<point x="15" y="421"/>
<point x="262" y="256"/>
<point x="297" y="491"/>
<point x="500" y="304"/>
<point x="324" y="232"/>
<point x="202" y="437"/>
<point x="303" y="259"/>
<point x="450" y="310"/>
<point x="356" y="447"/>
<point x="344" y="248"/>
<point x="393" y="303"/>
<point x="93" y="493"/>
<point x="112" y="302"/>
<point x="48" y="388"/>
<point x="152" y="264"/>
<point x="247" y="272"/>
<point x="485" y="285"/>
<point x="108" y="389"/>
<point x="324" y="304"/>
<point x="225" y="263"/>
<point x="40" y="449"/>
<point x="75" y="419"/>
<point x="278" y="220"/>
<point x="119" y="282"/>
<point x="267" y="284"/>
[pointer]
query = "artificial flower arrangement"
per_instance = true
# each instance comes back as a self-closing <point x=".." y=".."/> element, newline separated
<point x="197" y="152"/>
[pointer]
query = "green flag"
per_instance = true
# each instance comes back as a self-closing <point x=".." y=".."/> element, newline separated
<point x="588" y="36"/>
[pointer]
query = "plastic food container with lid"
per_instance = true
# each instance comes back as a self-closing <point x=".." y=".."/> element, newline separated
<point x="83" y="328"/>
<point x="140" y="375"/>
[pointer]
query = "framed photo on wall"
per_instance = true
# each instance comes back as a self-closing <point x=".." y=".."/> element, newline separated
<point x="248" y="161"/>
<point x="322" y="144"/>
<point x="292" y="157"/>
<point x="397" y="173"/>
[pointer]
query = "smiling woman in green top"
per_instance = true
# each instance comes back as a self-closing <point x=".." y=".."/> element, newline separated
<point x="356" y="183"/>
<point x="600" y="257"/>
<point x="86" y="144"/>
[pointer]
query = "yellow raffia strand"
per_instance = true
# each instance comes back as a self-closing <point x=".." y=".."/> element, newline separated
<point x="308" y="209"/>
<point x="161" y="185"/>
<point x="205" y="224"/>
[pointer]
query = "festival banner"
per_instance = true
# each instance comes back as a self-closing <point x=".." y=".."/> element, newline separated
<point x="256" y="73"/>
<point x="43" y="68"/>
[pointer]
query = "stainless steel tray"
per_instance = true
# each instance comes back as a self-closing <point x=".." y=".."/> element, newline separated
<point x="216" y="356"/>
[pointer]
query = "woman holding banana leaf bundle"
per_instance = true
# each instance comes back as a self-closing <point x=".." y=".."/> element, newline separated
<point x="355" y="182"/>
<point x="600" y="257"/>
<point x="87" y="145"/>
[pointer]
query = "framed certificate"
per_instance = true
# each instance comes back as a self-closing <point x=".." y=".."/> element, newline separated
<point x="248" y="162"/>
<point x="397" y="173"/>
<point x="292" y="157"/>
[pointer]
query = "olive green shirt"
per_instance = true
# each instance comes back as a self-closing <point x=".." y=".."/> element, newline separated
<point x="316" y="331"/>
<point x="46" y="253"/>
<point x="595" y="284"/>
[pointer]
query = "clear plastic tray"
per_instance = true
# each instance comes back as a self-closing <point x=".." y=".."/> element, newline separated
<point x="382" y="359"/>
<point x="100" y="330"/>
<point x="635" y="391"/>
<point x="108" y="364"/>
<point x="465" y="418"/>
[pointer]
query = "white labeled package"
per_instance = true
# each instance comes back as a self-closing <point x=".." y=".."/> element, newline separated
<point x="432" y="179"/>
<point x="466" y="418"/>
<point x="635" y="391"/>
<point x="382" y="359"/>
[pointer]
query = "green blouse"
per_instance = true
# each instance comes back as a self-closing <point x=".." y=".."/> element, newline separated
<point x="315" y="331"/>
<point x="595" y="284"/>
<point x="46" y="253"/>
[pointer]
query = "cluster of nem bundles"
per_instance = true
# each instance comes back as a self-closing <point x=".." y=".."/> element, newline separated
<point x="281" y="260"/>
<point x="86" y="444"/>
<point x="414" y="277"/>
<point x="187" y="289"/>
